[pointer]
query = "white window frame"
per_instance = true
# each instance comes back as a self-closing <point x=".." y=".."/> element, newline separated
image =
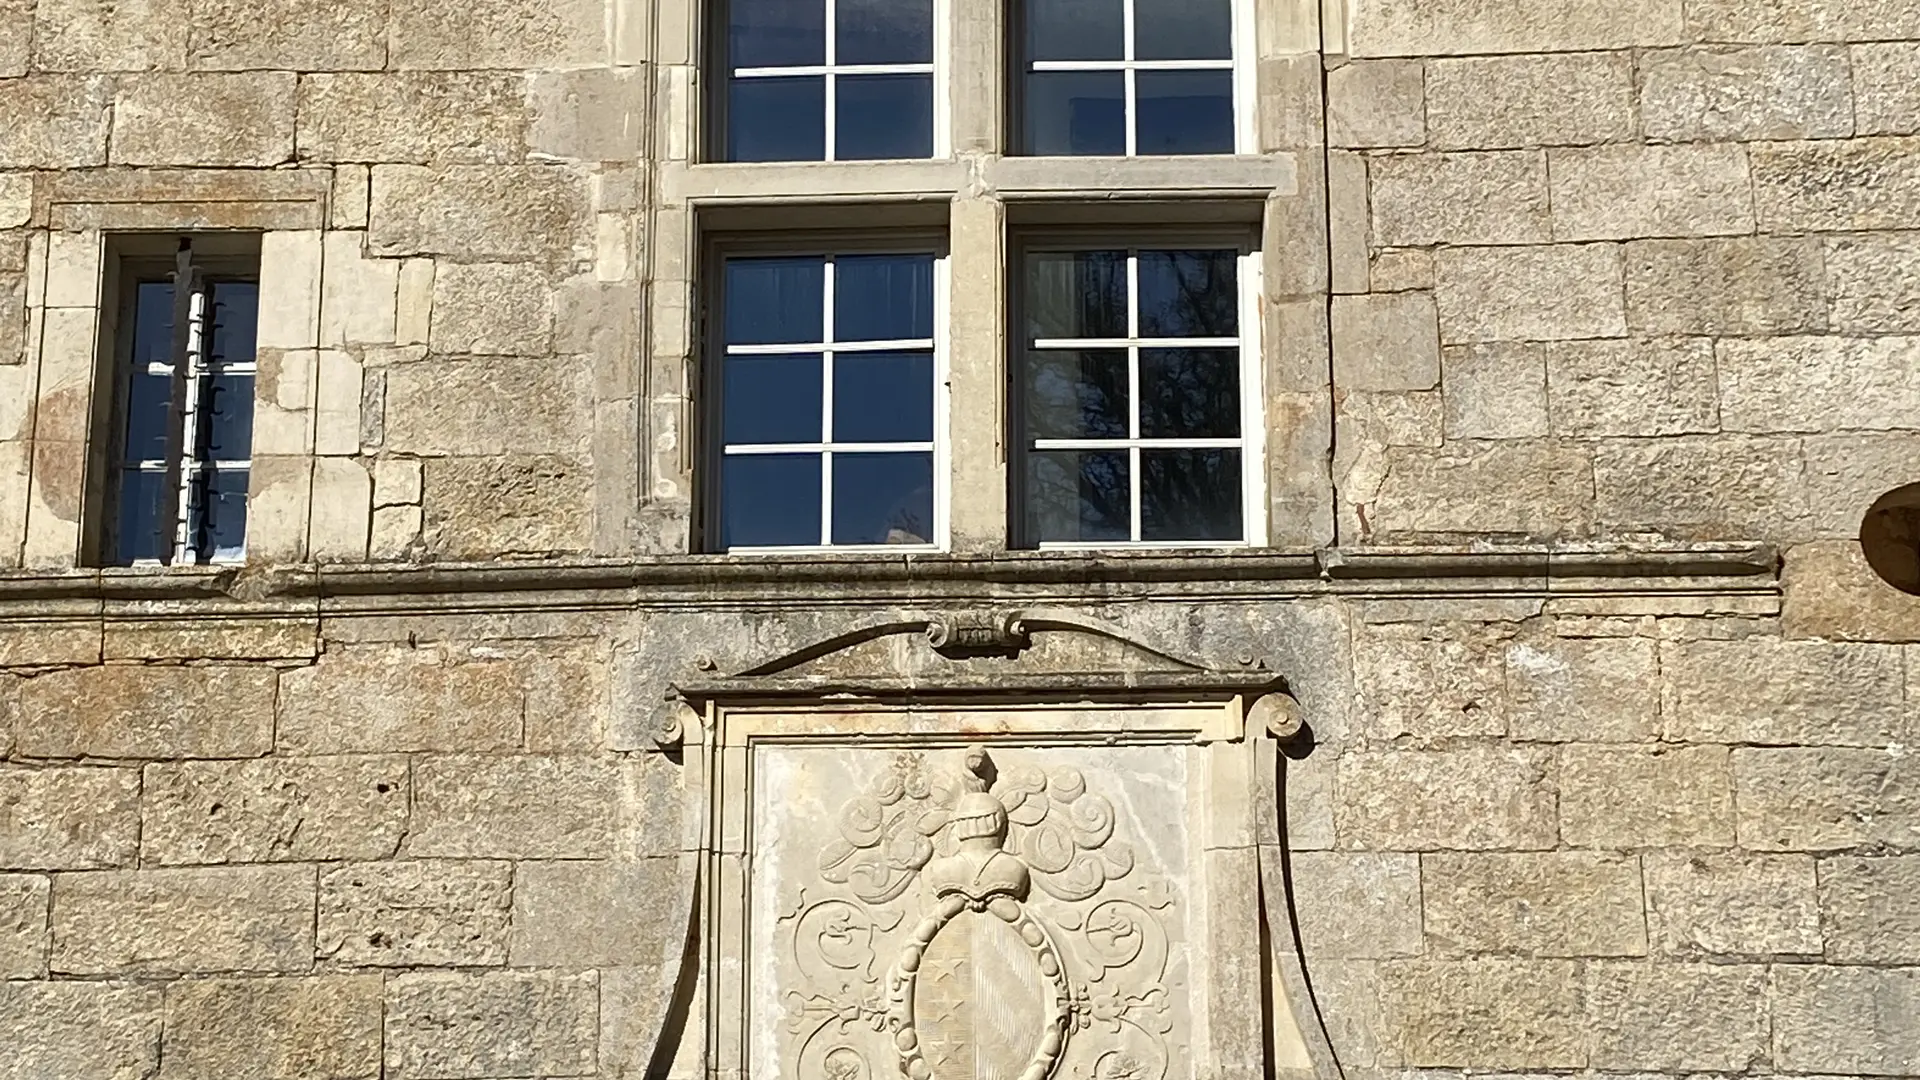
<point x="1252" y="439"/>
<point x="938" y="446"/>
<point x="1240" y="62"/>
<point x="831" y="71"/>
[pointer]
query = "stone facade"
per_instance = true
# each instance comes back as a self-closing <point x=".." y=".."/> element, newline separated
<point x="1592" y="329"/>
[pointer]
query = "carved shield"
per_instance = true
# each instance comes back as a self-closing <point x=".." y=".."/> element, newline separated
<point x="979" y="995"/>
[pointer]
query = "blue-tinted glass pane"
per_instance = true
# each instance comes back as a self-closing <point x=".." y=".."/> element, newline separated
<point x="782" y="119"/>
<point x="148" y="399"/>
<point x="770" y="500"/>
<point x="226" y="423"/>
<point x="883" y="298"/>
<point x="1076" y="294"/>
<point x="153" y="323"/>
<point x="1189" y="393"/>
<point x="883" y="31"/>
<point x="1190" y="495"/>
<point x="1075" y="30"/>
<point x="1077" y="495"/>
<point x="883" y="397"/>
<point x="1076" y="112"/>
<point x="217" y="520"/>
<point x="1189" y="293"/>
<point x="1185" y="112"/>
<point x="138" y="536"/>
<point x="1182" y="29"/>
<point x="883" y="498"/>
<point x="776" y="33"/>
<point x="770" y="399"/>
<point x="882" y="117"/>
<point x="1077" y="394"/>
<point x="771" y="301"/>
<point x="236" y="316"/>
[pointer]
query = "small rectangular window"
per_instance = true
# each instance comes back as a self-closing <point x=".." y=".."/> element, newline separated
<point x="1138" y="396"/>
<point x="1126" y="77"/>
<point x="830" y="401"/>
<point x="827" y="80"/>
<point x="183" y="422"/>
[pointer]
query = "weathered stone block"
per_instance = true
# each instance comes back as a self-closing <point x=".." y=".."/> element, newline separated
<point x="1848" y="1020"/>
<point x="81" y="36"/>
<point x="274" y="810"/>
<point x="143" y="711"/>
<point x="1702" y="488"/>
<point x="492" y="308"/>
<point x="1873" y="281"/>
<point x="1385" y="341"/>
<point x="1634" y="192"/>
<point x="1831" y="592"/>
<point x="1496" y="391"/>
<point x="497" y="507"/>
<point x="1485" y="1013"/>
<point x="318" y="1027"/>
<point x="1768" y="691"/>
<point x="1837" y="185"/>
<point x="511" y="34"/>
<point x="54" y="122"/>
<point x="1820" y="383"/>
<point x="16" y="37"/>
<point x="1497" y="197"/>
<point x="1425" y="688"/>
<point x="513" y="807"/>
<point x="1372" y="103"/>
<point x="479" y="213"/>
<point x="1847" y="472"/>
<point x="1357" y="905"/>
<point x="593" y="114"/>
<point x="1531" y="488"/>
<point x="1740" y="286"/>
<point x="1731" y="905"/>
<point x="162" y="922"/>
<point x="68" y="819"/>
<point x="1598" y="388"/>
<point x="1886" y="88"/>
<point x="377" y="699"/>
<point x="1496" y="102"/>
<point x="598" y="914"/>
<point x="1550" y="293"/>
<point x="431" y="913"/>
<point x="1827" y="799"/>
<point x="1472" y="798"/>
<point x="1801" y="20"/>
<point x="1769" y="92"/>
<point x="80" y="1029"/>
<point x="204" y="119"/>
<point x="495" y="405"/>
<point x="420" y="118"/>
<point x="1871" y="909"/>
<point x="1533" y="904"/>
<point x="500" y="1024"/>
<point x="288" y="35"/>
<point x="1582" y="690"/>
<point x="23" y="926"/>
<point x="1633" y="797"/>
<point x="1682" y="1017"/>
<point x="1446" y="27"/>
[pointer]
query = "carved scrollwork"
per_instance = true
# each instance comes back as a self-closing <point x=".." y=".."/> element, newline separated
<point x="978" y="634"/>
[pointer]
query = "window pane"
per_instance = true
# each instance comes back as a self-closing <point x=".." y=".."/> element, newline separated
<point x="138" y="536"/>
<point x="883" y="298"/>
<point x="776" y="33"/>
<point x="1075" y="30"/>
<point x="879" y="117"/>
<point x="148" y="399"/>
<point x="1190" y="495"/>
<point x="1189" y="294"/>
<point x="1077" y="496"/>
<point x="153" y="324"/>
<point x="769" y="301"/>
<point x="1076" y="112"/>
<point x="217" y="521"/>
<point x="883" y="32"/>
<point x="1189" y="393"/>
<point x="226" y="421"/>
<point x="1185" y="112"/>
<point x="1182" y="29"/>
<point x="770" y="399"/>
<point x="783" y="119"/>
<point x="1077" y="394"/>
<point x="770" y="500"/>
<point x="882" y="397"/>
<point x="1077" y="294"/>
<point x="236" y="314"/>
<point x="883" y="498"/>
